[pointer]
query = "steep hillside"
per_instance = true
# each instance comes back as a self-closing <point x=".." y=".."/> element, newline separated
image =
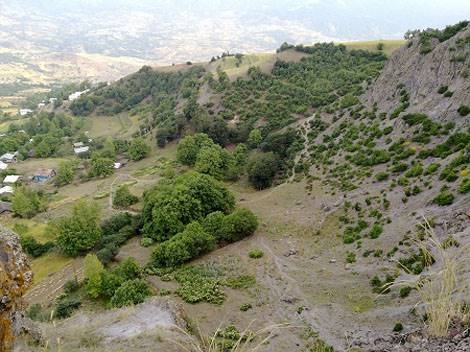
<point x="423" y="69"/>
<point x="304" y="191"/>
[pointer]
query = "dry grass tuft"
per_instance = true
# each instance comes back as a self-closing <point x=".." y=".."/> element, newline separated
<point x="444" y="286"/>
<point x="198" y="342"/>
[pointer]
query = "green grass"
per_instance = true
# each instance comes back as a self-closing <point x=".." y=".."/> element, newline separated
<point x="389" y="45"/>
<point x="48" y="264"/>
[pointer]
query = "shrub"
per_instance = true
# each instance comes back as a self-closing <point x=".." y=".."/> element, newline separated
<point x="245" y="306"/>
<point x="463" y="110"/>
<point x="376" y="231"/>
<point x="262" y="168"/>
<point x="431" y="169"/>
<point x="350" y="257"/>
<point x="100" y="167"/>
<point x="128" y="269"/>
<point x="238" y="225"/>
<point x="124" y="198"/>
<point x="174" y="203"/>
<point x="213" y="224"/>
<point x="65" y="306"/>
<point x="138" y="149"/>
<point x="93" y="270"/>
<point x="415" y="171"/>
<point x="465" y="185"/>
<point x="65" y="173"/>
<point x="398" y="327"/>
<point x="444" y="198"/>
<point x="131" y="292"/>
<point x="33" y="247"/>
<point x="381" y="176"/>
<point x="146" y="242"/>
<point x="256" y="253"/>
<point x="80" y="232"/>
<point x="183" y="247"/>
<point x="405" y="291"/>
<point x="26" y="202"/>
<point x="188" y="147"/>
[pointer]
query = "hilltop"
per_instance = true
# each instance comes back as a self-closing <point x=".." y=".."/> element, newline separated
<point x="256" y="190"/>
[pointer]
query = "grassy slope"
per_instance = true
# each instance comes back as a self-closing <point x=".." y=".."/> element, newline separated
<point x="389" y="45"/>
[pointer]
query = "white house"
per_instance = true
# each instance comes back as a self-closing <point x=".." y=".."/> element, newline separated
<point x="3" y="166"/>
<point x="117" y="165"/>
<point x="11" y="179"/>
<point x="76" y="95"/>
<point x="52" y="100"/>
<point x="24" y="112"/>
<point x="78" y="144"/>
<point x="6" y="190"/>
<point x="81" y="150"/>
<point x="41" y="105"/>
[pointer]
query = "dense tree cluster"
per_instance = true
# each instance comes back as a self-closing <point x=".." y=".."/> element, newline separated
<point x="174" y="203"/>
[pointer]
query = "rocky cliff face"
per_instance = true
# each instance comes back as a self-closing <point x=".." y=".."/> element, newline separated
<point x="15" y="278"/>
<point x="447" y="64"/>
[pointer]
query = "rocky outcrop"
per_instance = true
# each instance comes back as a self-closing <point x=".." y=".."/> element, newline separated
<point x="15" y="278"/>
<point x="422" y="75"/>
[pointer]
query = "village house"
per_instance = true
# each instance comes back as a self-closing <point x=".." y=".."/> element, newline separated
<point x="42" y="175"/>
<point x="9" y="157"/>
<point x="12" y="179"/>
<point x="81" y="150"/>
<point x="76" y="95"/>
<point x="24" y="112"/>
<point x="78" y="144"/>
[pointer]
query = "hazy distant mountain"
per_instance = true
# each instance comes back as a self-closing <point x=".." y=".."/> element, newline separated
<point x="73" y="39"/>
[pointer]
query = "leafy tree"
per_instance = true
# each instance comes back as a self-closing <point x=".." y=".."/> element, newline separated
<point x="35" y="249"/>
<point x="138" y="149"/>
<point x="209" y="161"/>
<point x="174" y="203"/>
<point x="124" y="198"/>
<point x="179" y="249"/>
<point x="189" y="147"/>
<point x="128" y="269"/>
<point x="261" y="169"/>
<point x="109" y="149"/>
<point x="131" y="292"/>
<point x="93" y="274"/>
<point x="101" y="166"/>
<point x="65" y="173"/>
<point x="27" y="202"/>
<point x="255" y="138"/>
<point x="238" y="225"/>
<point x="80" y="232"/>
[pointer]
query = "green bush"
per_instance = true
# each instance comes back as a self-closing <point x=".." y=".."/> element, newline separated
<point x="33" y="247"/>
<point x="261" y="168"/>
<point x="213" y="224"/>
<point x="26" y="202"/>
<point x="138" y="149"/>
<point x="174" y="203"/>
<point x="405" y="291"/>
<point x="381" y="176"/>
<point x="183" y="247"/>
<point x="465" y="185"/>
<point x="124" y="198"/>
<point x="463" y="110"/>
<point x="131" y="292"/>
<point x="80" y="232"/>
<point x="65" y="306"/>
<point x="245" y="307"/>
<point x="256" y="253"/>
<point x="398" y="327"/>
<point x="376" y="231"/>
<point x="444" y="198"/>
<point x="238" y="225"/>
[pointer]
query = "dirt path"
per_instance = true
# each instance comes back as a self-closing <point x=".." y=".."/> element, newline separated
<point x="304" y="128"/>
